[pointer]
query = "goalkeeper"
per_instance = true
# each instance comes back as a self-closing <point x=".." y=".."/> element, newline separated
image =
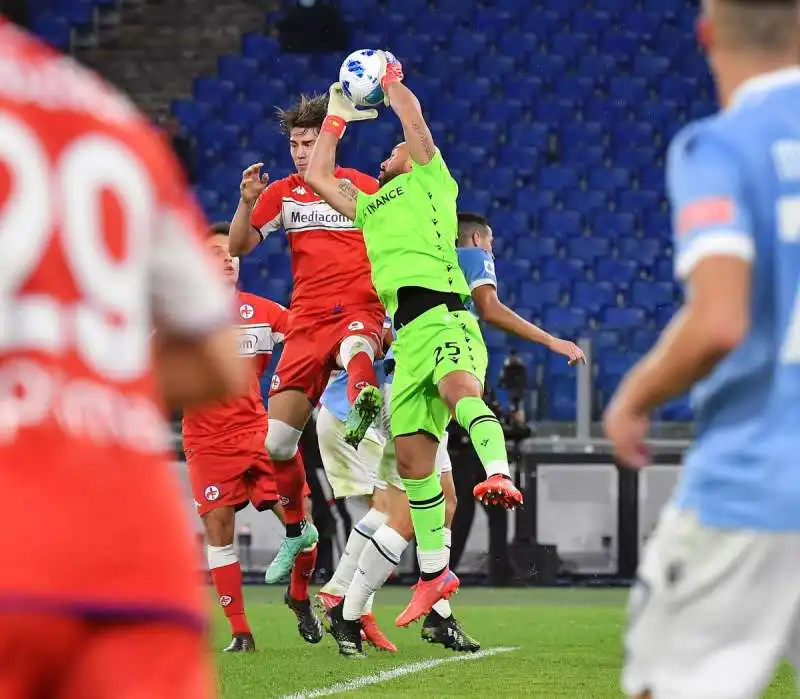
<point x="410" y="230"/>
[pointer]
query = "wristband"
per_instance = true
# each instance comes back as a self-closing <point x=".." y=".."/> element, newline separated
<point x="335" y="125"/>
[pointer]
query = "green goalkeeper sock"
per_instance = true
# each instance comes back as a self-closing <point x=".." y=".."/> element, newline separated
<point x="426" y="501"/>
<point x="485" y="433"/>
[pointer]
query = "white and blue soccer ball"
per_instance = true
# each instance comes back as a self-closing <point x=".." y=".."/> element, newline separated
<point x="360" y="76"/>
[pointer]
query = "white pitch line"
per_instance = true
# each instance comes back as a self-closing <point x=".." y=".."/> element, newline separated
<point x="400" y="671"/>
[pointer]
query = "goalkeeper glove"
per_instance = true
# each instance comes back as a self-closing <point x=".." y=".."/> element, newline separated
<point x="341" y="111"/>
<point x="392" y="73"/>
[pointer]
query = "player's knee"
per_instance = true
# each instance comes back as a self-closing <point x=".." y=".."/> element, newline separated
<point x="353" y="345"/>
<point x="282" y="440"/>
<point x="458" y="385"/>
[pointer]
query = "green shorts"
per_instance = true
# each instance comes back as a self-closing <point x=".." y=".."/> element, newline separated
<point x="427" y="349"/>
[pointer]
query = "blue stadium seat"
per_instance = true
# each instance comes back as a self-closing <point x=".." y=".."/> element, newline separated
<point x="562" y="224"/>
<point x="553" y="116"/>
<point x="565" y="321"/>
<point x="628" y="317"/>
<point x="538" y="294"/>
<point x="613" y="224"/>
<point x="535" y="249"/>
<point x="561" y="398"/>
<point x="588" y="248"/>
<point x="56" y="31"/>
<point x="644" y="250"/>
<point x="565" y="270"/>
<point x="619" y="272"/>
<point x="593" y="296"/>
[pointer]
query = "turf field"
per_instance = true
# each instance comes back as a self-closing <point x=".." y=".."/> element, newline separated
<point x="547" y="643"/>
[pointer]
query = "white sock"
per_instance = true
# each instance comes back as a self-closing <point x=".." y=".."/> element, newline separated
<point x="433" y="561"/>
<point x="359" y="536"/>
<point x="375" y="565"/>
<point x="221" y="556"/>
<point x="442" y="607"/>
<point x="495" y="467"/>
<point x="368" y="603"/>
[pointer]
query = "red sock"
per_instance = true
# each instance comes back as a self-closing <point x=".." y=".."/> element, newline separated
<point x="360" y="373"/>
<point x="301" y="573"/>
<point x="290" y="480"/>
<point x="228" y="583"/>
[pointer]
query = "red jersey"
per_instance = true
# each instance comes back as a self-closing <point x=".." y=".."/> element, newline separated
<point x="262" y="325"/>
<point x="98" y="235"/>
<point x="330" y="267"/>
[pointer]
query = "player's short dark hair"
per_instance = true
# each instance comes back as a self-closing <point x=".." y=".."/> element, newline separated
<point x="761" y="25"/>
<point x="468" y="222"/>
<point x="307" y="113"/>
<point x="219" y="228"/>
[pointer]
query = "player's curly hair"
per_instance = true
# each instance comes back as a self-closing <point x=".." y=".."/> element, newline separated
<point x="307" y="113"/>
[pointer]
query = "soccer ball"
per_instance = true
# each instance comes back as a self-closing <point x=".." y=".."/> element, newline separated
<point x="360" y="78"/>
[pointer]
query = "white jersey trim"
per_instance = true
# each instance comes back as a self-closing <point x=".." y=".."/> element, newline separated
<point x="482" y="282"/>
<point x="719" y="243"/>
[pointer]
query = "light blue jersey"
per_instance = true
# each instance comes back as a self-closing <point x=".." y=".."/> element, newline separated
<point x="734" y="184"/>
<point x="478" y="268"/>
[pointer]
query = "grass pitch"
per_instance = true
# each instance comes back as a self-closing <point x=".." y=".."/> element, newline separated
<point x="567" y="644"/>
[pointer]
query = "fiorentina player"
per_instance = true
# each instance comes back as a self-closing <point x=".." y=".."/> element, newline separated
<point x="440" y="357"/>
<point x="104" y="600"/>
<point x="336" y="316"/>
<point x="717" y="601"/>
<point x="228" y="464"/>
<point x="390" y="540"/>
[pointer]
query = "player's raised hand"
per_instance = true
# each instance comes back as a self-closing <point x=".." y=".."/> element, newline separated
<point x="340" y="106"/>
<point x="392" y="73"/>
<point x="253" y="183"/>
<point x="570" y="350"/>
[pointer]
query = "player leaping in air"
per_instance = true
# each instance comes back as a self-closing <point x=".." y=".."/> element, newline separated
<point x="349" y="593"/>
<point x="336" y="316"/>
<point x="228" y="463"/>
<point x="440" y="355"/>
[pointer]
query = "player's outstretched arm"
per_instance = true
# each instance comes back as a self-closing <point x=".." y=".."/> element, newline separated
<point x="244" y="237"/>
<point x="321" y="173"/>
<point x="493" y="311"/>
<point x="408" y="109"/>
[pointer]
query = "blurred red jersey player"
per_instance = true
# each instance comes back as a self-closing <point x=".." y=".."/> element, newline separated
<point x="99" y="593"/>
<point x="228" y="463"/>
<point x="337" y="318"/>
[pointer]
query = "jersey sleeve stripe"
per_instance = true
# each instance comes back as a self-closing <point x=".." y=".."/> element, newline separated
<point x="269" y="227"/>
<point x="482" y="282"/>
<point x="720" y="243"/>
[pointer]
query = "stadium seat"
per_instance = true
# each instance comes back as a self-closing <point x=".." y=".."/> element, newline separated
<point x="629" y="317"/>
<point x="593" y="296"/>
<point x="554" y="117"/>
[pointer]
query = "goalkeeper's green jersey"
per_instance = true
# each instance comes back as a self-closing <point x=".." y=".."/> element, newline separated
<point x="410" y="229"/>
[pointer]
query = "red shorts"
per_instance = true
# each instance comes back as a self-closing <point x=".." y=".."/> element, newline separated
<point x="312" y="344"/>
<point x="233" y="472"/>
<point x="64" y="657"/>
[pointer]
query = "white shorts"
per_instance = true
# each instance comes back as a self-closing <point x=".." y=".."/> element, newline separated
<point x="350" y="473"/>
<point x="713" y="611"/>
<point x="387" y="469"/>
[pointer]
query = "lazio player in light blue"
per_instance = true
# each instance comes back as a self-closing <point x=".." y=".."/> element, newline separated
<point x="379" y="539"/>
<point x="717" y="604"/>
